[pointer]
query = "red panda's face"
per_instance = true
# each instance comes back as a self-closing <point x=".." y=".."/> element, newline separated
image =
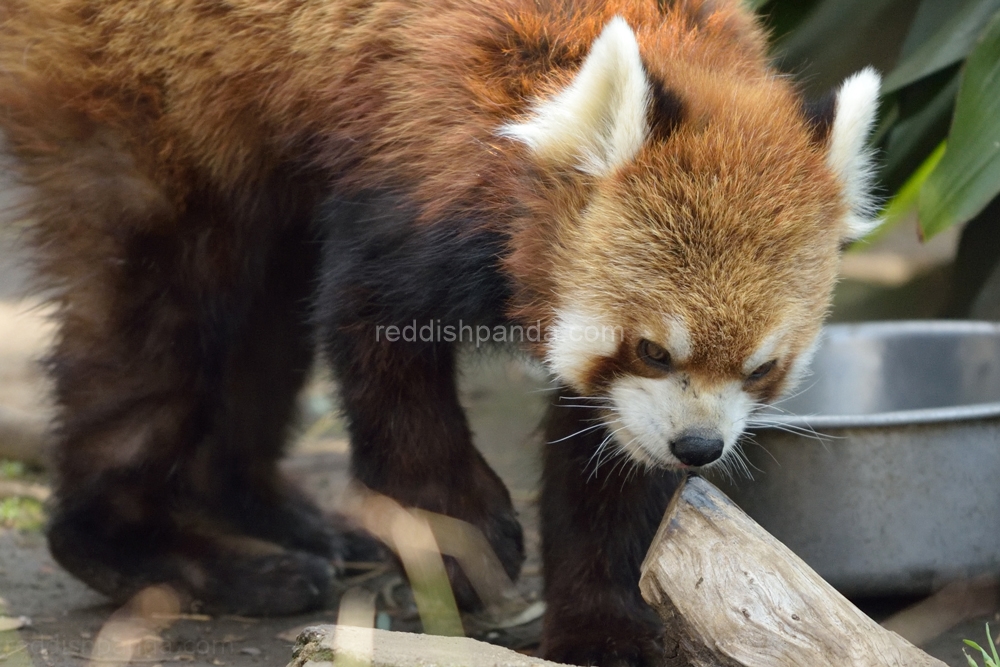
<point x="682" y="317"/>
<point x="691" y="288"/>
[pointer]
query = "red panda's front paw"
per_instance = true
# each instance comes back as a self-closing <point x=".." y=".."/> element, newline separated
<point x="503" y="532"/>
<point x="486" y="504"/>
<point x="491" y="512"/>
<point x="481" y="500"/>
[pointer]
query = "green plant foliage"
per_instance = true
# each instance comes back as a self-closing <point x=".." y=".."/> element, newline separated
<point x="21" y="514"/>
<point x="835" y="38"/>
<point x="927" y="20"/>
<point x="831" y="18"/>
<point x="12" y="469"/>
<point x="949" y="44"/>
<point x="906" y="200"/>
<point x="942" y="89"/>
<point x="988" y="660"/>
<point x="917" y="123"/>
<point x="968" y="176"/>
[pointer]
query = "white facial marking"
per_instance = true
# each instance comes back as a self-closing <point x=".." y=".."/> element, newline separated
<point x="652" y="413"/>
<point x="774" y="347"/>
<point x="800" y="366"/>
<point x="577" y="339"/>
<point x="598" y="122"/>
<point x="849" y="157"/>
<point x="678" y="339"/>
<point x="769" y="348"/>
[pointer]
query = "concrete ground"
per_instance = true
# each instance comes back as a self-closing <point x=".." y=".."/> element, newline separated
<point x="65" y="624"/>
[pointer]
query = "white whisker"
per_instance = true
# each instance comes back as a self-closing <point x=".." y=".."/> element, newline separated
<point x="573" y="435"/>
<point x="750" y="440"/>
<point x="778" y="425"/>
<point x="598" y="450"/>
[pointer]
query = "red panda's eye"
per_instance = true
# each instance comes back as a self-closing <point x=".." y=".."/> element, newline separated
<point x="654" y="355"/>
<point x="762" y="370"/>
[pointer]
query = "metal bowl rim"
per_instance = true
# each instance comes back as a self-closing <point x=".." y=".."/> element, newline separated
<point x="899" y="417"/>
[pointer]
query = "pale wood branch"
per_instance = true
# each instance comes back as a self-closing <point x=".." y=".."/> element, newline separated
<point x="732" y="595"/>
<point x="329" y="645"/>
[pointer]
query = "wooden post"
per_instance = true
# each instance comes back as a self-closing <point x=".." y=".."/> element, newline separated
<point x="734" y="596"/>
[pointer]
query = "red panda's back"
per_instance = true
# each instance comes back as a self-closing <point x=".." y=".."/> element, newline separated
<point x="375" y="92"/>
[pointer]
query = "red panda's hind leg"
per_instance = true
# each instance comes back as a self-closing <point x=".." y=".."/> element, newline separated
<point x="183" y="341"/>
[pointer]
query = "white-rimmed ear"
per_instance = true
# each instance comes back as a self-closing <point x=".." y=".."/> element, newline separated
<point x="849" y="156"/>
<point x="598" y="122"/>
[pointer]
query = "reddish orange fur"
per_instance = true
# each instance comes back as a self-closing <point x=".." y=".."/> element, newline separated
<point x="392" y="93"/>
<point x="221" y="94"/>
<point x="181" y="136"/>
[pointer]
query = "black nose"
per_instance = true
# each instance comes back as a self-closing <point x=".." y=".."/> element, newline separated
<point x="697" y="448"/>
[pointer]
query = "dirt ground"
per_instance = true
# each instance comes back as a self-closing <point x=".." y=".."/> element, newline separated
<point x="66" y="624"/>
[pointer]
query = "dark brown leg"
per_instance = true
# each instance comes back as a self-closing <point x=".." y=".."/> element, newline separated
<point x="410" y="439"/>
<point x="409" y="436"/>
<point x="183" y="342"/>
<point x="596" y="528"/>
<point x="234" y="474"/>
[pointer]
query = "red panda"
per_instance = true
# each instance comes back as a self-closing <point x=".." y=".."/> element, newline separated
<point x="210" y="187"/>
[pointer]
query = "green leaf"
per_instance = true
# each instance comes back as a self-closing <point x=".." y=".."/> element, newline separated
<point x="839" y="37"/>
<point x="755" y="4"/>
<point x="831" y="18"/>
<point x="986" y="656"/>
<point x="913" y="136"/>
<point x="968" y="176"/>
<point x="993" y="646"/>
<point x="987" y="660"/>
<point x="906" y="200"/>
<point x="948" y="45"/>
<point x="929" y="17"/>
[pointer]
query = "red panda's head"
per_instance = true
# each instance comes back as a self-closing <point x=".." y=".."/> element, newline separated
<point x="691" y="281"/>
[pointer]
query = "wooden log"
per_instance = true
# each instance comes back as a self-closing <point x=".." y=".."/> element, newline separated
<point x="732" y="595"/>
<point x="346" y="646"/>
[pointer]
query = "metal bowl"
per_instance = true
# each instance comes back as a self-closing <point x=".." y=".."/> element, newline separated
<point x="901" y="489"/>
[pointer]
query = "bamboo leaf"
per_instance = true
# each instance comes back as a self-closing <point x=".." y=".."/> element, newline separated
<point x="968" y="176"/>
<point x="946" y="46"/>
